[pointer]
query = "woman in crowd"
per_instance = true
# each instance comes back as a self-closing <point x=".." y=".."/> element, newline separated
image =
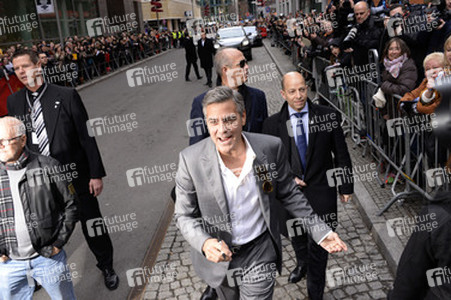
<point x="399" y="74"/>
<point x="424" y="99"/>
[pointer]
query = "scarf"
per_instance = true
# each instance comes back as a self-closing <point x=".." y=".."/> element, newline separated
<point x="8" y="238"/>
<point x="394" y="66"/>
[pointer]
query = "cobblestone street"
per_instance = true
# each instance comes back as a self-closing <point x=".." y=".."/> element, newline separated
<point x="363" y="254"/>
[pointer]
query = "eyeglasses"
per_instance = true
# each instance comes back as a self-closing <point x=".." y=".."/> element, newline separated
<point x="6" y="142"/>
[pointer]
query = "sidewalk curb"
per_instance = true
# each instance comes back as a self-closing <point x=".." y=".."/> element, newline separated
<point x="391" y="247"/>
<point x="120" y="70"/>
<point x="274" y="59"/>
<point x="138" y="292"/>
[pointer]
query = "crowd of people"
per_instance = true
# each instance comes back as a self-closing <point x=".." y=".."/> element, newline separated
<point x="91" y="57"/>
<point x="412" y="43"/>
<point x="225" y="173"/>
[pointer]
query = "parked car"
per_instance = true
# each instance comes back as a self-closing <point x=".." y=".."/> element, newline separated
<point x="234" y="37"/>
<point x="255" y="37"/>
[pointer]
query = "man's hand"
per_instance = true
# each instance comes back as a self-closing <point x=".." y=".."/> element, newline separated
<point x="345" y="198"/>
<point x="95" y="186"/>
<point x="216" y="251"/>
<point x="332" y="243"/>
<point x="55" y="251"/>
<point x="3" y="258"/>
<point x="300" y="182"/>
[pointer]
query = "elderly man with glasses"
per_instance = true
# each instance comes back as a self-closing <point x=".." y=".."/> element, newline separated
<point x="38" y="214"/>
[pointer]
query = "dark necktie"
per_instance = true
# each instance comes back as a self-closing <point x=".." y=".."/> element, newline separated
<point x="301" y="140"/>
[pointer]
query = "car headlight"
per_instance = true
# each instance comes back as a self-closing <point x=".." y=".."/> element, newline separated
<point x="217" y="46"/>
<point x="245" y="43"/>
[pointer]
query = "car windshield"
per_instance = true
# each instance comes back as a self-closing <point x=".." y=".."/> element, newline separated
<point x="250" y="29"/>
<point x="230" y="33"/>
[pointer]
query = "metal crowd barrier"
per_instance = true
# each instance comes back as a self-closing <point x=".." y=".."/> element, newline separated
<point x="88" y="69"/>
<point x="398" y="142"/>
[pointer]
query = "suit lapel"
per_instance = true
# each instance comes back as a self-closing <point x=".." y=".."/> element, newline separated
<point x="51" y="104"/>
<point x="212" y="170"/>
<point x="312" y="135"/>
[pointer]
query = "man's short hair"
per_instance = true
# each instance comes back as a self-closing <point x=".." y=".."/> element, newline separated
<point x="395" y="6"/>
<point x="222" y="94"/>
<point x="33" y="56"/>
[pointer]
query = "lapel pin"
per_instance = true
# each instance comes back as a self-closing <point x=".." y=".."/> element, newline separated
<point x="267" y="187"/>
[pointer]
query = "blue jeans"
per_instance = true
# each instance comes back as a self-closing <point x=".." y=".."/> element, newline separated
<point x="16" y="278"/>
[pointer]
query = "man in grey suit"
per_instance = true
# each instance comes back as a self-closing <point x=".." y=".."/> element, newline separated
<point x="227" y="187"/>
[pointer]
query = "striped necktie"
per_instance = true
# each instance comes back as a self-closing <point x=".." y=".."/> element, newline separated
<point x="39" y="126"/>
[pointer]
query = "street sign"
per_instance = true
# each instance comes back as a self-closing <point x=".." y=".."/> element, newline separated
<point x="156" y="6"/>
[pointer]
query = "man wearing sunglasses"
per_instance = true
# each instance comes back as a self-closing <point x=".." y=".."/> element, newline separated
<point x="232" y="71"/>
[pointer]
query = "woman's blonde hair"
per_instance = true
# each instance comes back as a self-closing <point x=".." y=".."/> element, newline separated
<point x="447" y="45"/>
<point x="438" y="56"/>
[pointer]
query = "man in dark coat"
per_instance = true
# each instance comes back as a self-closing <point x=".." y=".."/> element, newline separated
<point x="206" y="51"/>
<point x="311" y="134"/>
<point x="191" y="56"/>
<point x="56" y="121"/>
<point x="424" y="270"/>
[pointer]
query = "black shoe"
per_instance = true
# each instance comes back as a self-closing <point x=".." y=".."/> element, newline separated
<point x="209" y="294"/>
<point x="209" y="85"/>
<point x="297" y="274"/>
<point x="187" y="79"/>
<point x="111" y="279"/>
<point x="200" y="77"/>
<point x="37" y="286"/>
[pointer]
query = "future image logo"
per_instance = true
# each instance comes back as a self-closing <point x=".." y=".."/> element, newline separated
<point x="196" y="127"/>
<point x="156" y="274"/>
<point x="113" y="124"/>
<point x="395" y="127"/>
<point x="154" y="74"/>
<point x="236" y="77"/>
<point x="394" y="27"/>
<point x="437" y="177"/>
<point x="95" y="27"/>
<point x="438" y="276"/>
<point x="135" y="77"/>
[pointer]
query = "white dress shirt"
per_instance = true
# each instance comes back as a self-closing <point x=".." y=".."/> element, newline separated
<point x="243" y="199"/>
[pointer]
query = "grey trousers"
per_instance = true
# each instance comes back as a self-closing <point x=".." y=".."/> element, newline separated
<point x="252" y="272"/>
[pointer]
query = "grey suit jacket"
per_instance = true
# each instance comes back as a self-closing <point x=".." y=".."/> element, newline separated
<point x="202" y="212"/>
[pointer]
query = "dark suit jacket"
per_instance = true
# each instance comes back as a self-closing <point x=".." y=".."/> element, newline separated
<point x="256" y="111"/>
<point x="190" y="49"/>
<point x="65" y="119"/>
<point x="322" y="143"/>
<point x="206" y="53"/>
<point x="200" y="194"/>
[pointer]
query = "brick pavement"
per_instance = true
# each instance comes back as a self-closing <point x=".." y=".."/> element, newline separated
<point x="373" y="278"/>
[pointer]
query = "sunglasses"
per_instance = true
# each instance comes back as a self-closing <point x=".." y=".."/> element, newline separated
<point x="243" y="63"/>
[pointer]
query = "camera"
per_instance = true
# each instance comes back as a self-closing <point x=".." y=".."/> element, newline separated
<point x="349" y="39"/>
